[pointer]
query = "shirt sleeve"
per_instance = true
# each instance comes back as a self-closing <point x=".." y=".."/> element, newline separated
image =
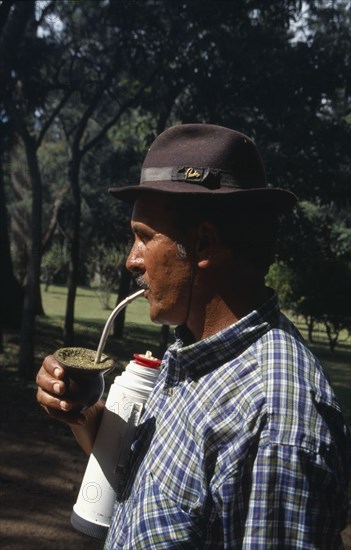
<point x="284" y="497"/>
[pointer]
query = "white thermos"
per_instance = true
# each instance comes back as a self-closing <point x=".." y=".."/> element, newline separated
<point x="124" y="405"/>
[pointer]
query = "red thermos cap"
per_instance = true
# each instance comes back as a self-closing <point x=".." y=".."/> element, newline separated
<point x="147" y="360"/>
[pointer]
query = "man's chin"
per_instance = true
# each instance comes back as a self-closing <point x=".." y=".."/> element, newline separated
<point x="157" y="316"/>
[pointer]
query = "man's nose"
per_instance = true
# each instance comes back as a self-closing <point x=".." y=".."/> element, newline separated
<point x="135" y="260"/>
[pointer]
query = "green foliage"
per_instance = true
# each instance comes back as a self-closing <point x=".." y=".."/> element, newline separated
<point x="280" y="278"/>
<point x="317" y="257"/>
<point x="105" y="271"/>
<point x="53" y="261"/>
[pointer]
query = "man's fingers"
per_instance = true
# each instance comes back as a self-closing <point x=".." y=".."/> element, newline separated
<point x="59" y="408"/>
<point x="53" y="396"/>
<point x="50" y="376"/>
<point x="47" y="399"/>
<point x="53" y="367"/>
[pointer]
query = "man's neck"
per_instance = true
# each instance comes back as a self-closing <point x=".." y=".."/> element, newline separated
<point x="221" y="311"/>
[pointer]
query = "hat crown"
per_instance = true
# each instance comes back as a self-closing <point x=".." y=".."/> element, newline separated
<point x="207" y="146"/>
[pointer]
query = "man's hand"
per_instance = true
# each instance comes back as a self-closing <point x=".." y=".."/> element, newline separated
<point x="52" y="390"/>
<point x="53" y="394"/>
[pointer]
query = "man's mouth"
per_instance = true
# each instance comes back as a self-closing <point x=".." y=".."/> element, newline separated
<point x="141" y="282"/>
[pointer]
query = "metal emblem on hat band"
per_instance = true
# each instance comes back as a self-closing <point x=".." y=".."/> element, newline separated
<point x="207" y="177"/>
<point x="193" y="174"/>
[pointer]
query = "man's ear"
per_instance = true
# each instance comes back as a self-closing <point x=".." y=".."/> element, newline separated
<point x="207" y="242"/>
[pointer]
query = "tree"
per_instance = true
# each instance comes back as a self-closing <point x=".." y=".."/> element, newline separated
<point x="54" y="260"/>
<point x="23" y="54"/>
<point x="105" y="265"/>
<point x="318" y="259"/>
<point x="11" y="294"/>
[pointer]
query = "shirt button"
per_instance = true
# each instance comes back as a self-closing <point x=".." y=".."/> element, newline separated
<point x="169" y="391"/>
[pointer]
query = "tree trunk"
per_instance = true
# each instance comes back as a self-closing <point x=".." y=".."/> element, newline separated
<point x="310" y="327"/>
<point x="124" y="289"/>
<point x="11" y="292"/>
<point x="39" y="308"/>
<point x="73" y="267"/>
<point x="332" y="338"/>
<point x="26" y="353"/>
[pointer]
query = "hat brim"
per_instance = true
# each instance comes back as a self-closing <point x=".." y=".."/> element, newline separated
<point x="273" y="199"/>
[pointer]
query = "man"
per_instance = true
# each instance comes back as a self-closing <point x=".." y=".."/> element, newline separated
<point x="242" y="443"/>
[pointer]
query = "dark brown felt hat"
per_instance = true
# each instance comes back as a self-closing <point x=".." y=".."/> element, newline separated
<point x="207" y="161"/>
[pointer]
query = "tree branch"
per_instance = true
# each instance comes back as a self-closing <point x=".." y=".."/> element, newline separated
<point x="5" y="8"/>
<point x="49" y="121"/>
<point x="119" y="113"/>
<point x="53" y="221"/>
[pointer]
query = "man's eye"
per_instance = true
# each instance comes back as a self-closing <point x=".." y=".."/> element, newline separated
<point x="144" y="238"/>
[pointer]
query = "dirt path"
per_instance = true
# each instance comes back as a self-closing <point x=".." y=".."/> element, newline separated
<point x="41" y="468"/>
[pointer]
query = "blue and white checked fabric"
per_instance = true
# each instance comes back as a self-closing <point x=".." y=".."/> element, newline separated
<point x="242" y="445"/>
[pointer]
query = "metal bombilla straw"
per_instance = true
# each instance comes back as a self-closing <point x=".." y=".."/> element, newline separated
<point x="109" y="322"/>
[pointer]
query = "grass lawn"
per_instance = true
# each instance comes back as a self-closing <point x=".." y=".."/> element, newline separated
<point x="88" y="306"/>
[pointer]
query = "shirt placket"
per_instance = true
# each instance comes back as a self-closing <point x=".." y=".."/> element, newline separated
<point x="173" y="376"/>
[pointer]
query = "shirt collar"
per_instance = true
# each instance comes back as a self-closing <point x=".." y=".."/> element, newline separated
<point x="198" y="358"/>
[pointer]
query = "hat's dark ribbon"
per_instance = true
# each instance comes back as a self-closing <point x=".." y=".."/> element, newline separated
<point x="207" y="177"/>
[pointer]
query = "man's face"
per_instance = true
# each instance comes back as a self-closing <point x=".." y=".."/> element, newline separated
<point x="162" y="266"/>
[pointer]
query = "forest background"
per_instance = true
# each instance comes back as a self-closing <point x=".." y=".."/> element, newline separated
<point x="87" y="85"/>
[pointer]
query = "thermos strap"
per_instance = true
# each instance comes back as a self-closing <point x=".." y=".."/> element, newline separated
<point x="132" y="423"/>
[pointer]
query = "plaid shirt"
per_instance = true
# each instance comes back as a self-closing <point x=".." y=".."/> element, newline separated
<point x="242" y="445"/>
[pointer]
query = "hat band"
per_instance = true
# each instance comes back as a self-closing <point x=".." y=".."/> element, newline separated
<point x="207" y="177"/>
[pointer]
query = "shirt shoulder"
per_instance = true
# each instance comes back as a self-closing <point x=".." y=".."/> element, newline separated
<point x="301" y="405"/>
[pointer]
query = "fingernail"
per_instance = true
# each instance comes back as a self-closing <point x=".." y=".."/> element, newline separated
<point x="57" y="372"/>
<point x="56" y="387"/>
<point x="65" y="406"/>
